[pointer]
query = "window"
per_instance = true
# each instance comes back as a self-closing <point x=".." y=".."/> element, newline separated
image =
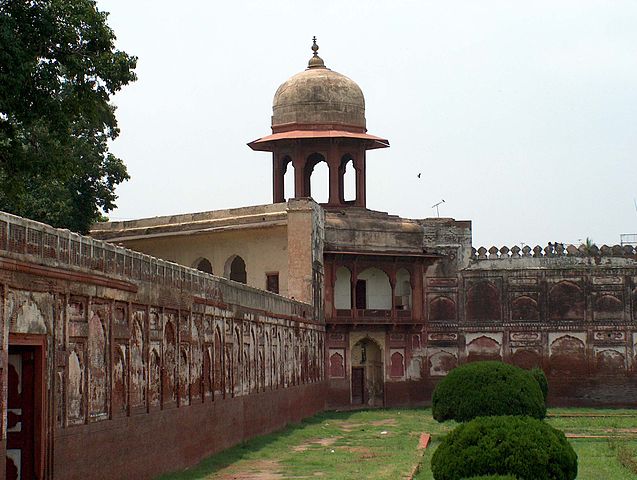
<point x="204" y="265"/>
<point x="272" y="282"/>
<point x="238" y="270"/>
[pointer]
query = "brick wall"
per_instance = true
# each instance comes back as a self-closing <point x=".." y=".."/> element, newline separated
<point x="148" y="366"/>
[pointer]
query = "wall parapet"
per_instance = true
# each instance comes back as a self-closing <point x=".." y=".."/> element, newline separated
<point x="40" y="243"/>
<point x="553" y="250"/>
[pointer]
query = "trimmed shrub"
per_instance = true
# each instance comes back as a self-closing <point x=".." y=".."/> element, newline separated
<point x="487" y="388"/>
<point x="540" y="378"/>
<point x="524" y="447"/>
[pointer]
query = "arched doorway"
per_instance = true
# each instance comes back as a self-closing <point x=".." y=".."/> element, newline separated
<point x="236" y="269"/>
<point x="367" y="377"/>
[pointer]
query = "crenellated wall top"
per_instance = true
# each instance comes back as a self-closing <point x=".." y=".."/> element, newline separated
<point x="37" y="242"/>
<point x="554" y="250"/>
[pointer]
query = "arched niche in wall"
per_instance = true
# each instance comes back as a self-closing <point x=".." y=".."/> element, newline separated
<point x="441" y="363"/>
<point x="483" y="302"/>
<point x="610" y="361"/>
<point x="442" y="309"/>
<point x="483" y="348"/>
<point x="317" y="178"/>
<point x="566" y="301"/>
<point x="373" y="290"/>
<point x="235" y="269"/>
<point x="343" y="289"/>
<point x="203" y="265"/>
<point x="526" y="358"/>
<point x="524" y="308"/>
<point x="608" y="306"/>
<point x="568" y="355"/>
<point x="403" y="290"/>
<point x="169" y="371"/>
<point x="120" y="391"/>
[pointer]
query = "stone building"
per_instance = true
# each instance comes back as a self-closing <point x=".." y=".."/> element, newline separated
<point x="403" y="300"/>
<point x="120" y="364"/>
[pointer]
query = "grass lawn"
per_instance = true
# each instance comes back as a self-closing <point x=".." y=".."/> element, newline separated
<point x="382" y="444"/>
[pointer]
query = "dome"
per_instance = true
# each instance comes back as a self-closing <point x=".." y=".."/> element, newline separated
<point x="318" y="98"/>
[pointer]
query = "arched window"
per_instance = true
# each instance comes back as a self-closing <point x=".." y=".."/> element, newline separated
<point x="204" y="265"/>
<point x="343" y="289"/>
<point x="288" y="178"/>
<point x="237" y="270"/>
<point x="373" y="290"/>
<point x="317" y="177"/>
<point x="347" y="179"/>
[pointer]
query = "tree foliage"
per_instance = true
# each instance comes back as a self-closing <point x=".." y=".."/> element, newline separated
<point x="487" y="388"/>
<point x="525" y="447"/>
<point x="58" y="69"/>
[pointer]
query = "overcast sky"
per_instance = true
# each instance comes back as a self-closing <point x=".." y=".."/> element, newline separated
<point x="522" y="116"/>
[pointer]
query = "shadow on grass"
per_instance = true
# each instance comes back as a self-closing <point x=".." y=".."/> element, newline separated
<point x="251" y="448"/>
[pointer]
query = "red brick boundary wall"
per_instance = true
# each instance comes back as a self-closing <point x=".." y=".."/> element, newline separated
<point x="143" y="366"/>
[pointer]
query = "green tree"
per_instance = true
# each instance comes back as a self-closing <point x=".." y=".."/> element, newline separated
<point x="58" y="69"/>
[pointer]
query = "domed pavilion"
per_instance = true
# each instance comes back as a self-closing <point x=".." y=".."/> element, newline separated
<point x="318" y="115"/>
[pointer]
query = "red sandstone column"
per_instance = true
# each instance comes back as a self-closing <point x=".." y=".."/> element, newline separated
<point x="333" y="161"/>
<point x="417" y="292"/>
<point x="278" y="187"/>
<point x="360" y="179"/>
<point x="299" y="180"/>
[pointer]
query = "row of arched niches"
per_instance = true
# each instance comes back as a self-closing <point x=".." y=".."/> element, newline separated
<point x="540" y="300"/>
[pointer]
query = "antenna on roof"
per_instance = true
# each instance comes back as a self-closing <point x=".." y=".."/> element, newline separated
<point x="436" y="207"/>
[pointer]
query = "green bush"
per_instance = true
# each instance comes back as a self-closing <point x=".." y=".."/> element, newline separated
<point x="525" y="447"/>
<point x="540" y="378"/>
<point x="487" y="388"/>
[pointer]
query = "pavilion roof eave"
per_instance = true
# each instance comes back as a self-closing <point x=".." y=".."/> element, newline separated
<point x="266" y="143"/>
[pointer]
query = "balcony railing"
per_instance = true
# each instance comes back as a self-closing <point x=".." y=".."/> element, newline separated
<point x="368" y="315"/>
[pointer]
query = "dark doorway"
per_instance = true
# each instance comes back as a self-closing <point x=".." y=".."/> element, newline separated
<point x="21" y="412"/>
<point x="238" y="270"/>
<point x="358" y="385"/>
<point x="361" y="294"/>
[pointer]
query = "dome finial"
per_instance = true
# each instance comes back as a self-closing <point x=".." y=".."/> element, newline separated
<point x="315" y="61"/>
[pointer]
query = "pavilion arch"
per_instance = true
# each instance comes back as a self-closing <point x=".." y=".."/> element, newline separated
<point x="347" y="175"/>
<point x="288" y="177"/>
<point x="403" y="291"/>
<point x="343" y="289"/>
<point x="316" y="178"/>
<point x="203" y="265"/>
<point x="235" y="269"/>
<point x="373" y="290"/>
